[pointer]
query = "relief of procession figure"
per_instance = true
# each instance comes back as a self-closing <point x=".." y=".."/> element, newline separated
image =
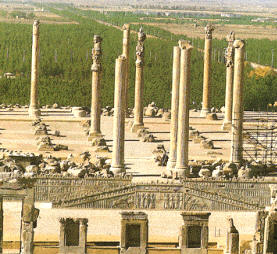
<point x="146" y="200"/>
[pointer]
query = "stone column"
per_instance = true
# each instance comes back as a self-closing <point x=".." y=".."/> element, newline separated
<point x="229" y="61"/>
<point x="138" y="109"/>
<point x="96" y="69"/>
<point x="125" y="52"/>
<point x="29" y="220"/>
<point x="207" y="70"/>
<point x="83" y="233"/>
<point x="232" y="243"/>
<point x="62" y="233"/>
<point x="237" y="121"/>
<point x="183" y="111"/>
<point x="117" y="166"/>
<point x="174" y="108"/>
<point x="34" y="110"/>
<point x="1" y="224"/>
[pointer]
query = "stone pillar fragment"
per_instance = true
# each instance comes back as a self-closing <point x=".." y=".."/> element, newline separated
<point x="183" y="111"/>
<point x="138" y="108"/>
<point x="237" y="117"/>
<point x="34" y="110"/>
<point x="29" y="220"/>
<point x="270" y="231"/>
<point x="174" y="108"/>
<point x="232" y="244"/>
<point x="207" y="70"/>
<point x="1" y="224"/>
<point x="96" y="69"/>
<point x="125" y="52"/>
<point x="258" y="238"/>
<point x="117" y="165"/>
<point x="229" y="61"/>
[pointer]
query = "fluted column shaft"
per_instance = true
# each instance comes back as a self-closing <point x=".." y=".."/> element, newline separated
<point x="207" y="71"/>
<point x="117" y="165"/>
<point x="183" y="111"/>
<point x="229" y="61"/>
<point x="174" y="107"/>
<point x="95" y="89"/>
<point x="1" y="224"/>
<point x="34" y="109"/>
<point x="237" y="121"/>
<point x="126" y="53"/>
<point x="139" y="83"/>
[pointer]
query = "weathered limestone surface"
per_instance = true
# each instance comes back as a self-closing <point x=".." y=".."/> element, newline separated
<point x="29" y="220"/>
<point x="134" y="233"/>
<point x="81" y="239"/>
<point x="232" y="244"/>
<point x="237" y="116"/>
<point x="270" y="241"/>
<point x="183" y="111"/>
<point x="194" y="234"/>
<point x="174" y="108"/>
<point x="139" y="83"/>
<point x="34" y="108"/>
<point x="229" y="61"/>
<point x="117" y="166"/>
<point x="258" y="239"/>
<point x="96" y="69"/>
<point x="126" y="53"/>
<point x="1" y="224"/>
<point x="207" y="70"/>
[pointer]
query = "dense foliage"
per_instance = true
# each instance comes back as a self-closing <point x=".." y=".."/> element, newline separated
<point x="65" y="62"/>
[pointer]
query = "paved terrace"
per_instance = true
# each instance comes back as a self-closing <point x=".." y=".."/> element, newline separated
<point x="16" y="133"/>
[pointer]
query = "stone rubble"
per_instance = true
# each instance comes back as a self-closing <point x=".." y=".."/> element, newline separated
<point x="52" y="166"/>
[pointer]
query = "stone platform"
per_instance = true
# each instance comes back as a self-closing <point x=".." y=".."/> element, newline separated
<point x="16" y="133"/>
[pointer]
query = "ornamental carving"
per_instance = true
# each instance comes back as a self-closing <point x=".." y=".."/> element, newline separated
<point x="96" y="54"/>
<point x="208" y="31"/>
<point x="140" y="48"/>
<point x="229" y="52"/>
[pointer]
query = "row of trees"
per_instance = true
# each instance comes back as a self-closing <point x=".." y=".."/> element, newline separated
<point x="65" y="66"/>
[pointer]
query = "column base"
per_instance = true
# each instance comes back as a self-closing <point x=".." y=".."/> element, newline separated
<point x="170" y="167"/>
<point x="226" y="126"/>
<point x="205" y="112"/>
<point x="168" y="171"/>
<point x="34" y="112"/>
<point x="135" y="127"/>
<point x="180" y="172"/>
<point x="118" y="170"/>
<point x="93" y="135"/>
<point x="171" y="164"/>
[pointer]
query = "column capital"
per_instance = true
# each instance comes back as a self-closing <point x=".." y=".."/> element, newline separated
<point x="184" y="44"/>
<point x="141" y="35"/>
<point x="208" y="31"/>
<point x="239" y="44"/>
<point x="96" y="54"/>
<point x="229" y="56"/>
<point x="126" y="27"/>
<point x="230" y="38"/>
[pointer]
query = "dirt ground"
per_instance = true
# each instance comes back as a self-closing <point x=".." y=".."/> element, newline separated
<point x="220" y="32"/>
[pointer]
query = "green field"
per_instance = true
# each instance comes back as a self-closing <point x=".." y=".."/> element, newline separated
<point x="65" y="62"/>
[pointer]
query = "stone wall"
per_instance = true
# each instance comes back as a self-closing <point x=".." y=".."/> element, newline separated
<point x="120" y="193"/>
